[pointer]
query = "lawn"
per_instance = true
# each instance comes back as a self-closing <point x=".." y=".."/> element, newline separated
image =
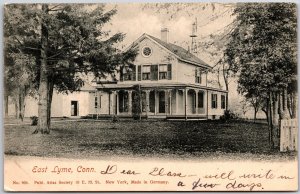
<point x="92" y="139"/>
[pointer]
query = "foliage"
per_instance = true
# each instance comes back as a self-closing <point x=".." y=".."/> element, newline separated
<point x="68" y="42"/>
<point x="229" y="116"/>
<point x="77" y="44"/>
<point x="34" y="120"/>
<point x="136" y="103"/>
<point x="262" y="49"/>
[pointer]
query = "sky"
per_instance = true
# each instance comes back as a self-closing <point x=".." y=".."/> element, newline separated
<point x="134" y="19"/>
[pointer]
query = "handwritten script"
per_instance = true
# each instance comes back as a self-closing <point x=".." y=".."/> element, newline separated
<point x="150" y="177"/>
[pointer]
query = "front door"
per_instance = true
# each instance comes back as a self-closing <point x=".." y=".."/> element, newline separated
<point x="162" y="102"/>
<point x="74" y="108"/>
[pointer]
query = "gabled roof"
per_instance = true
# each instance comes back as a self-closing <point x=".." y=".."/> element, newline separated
<point x="180" y="52"/>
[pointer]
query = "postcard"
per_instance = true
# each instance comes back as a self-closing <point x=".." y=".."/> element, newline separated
<point x="150" y="97"/>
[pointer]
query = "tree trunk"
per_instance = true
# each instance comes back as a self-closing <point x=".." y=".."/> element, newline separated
<point x="6" y="105"/>
<point x="255" y="112"/>
<point x="225" y="77"/>
<point x="50" y="93"/>
<point x="285" y="102"/>
<point x="21" y="103"/>
<point x="270" y="124"/>
<point x="266" y="113"/>
<point x="275" y="121"/>
<point x="43" y="126"/>
<point x="294" y="104"/>
<point x="16" y="108"/>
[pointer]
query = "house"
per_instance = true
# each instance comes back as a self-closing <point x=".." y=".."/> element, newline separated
<point x="171" y="80"/>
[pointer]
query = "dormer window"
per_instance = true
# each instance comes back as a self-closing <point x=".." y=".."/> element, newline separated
<point x="147" y="51"/>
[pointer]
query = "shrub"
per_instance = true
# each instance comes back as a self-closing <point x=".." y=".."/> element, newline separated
<point x="228" y="116"/>
<point x="115" y="119"/>
<point x="34" y="120"/>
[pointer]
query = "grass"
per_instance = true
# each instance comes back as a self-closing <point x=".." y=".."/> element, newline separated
<point x="162" y="139"/>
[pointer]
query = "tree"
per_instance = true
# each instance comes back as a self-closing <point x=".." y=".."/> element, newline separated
<point x="67" y="41"/>
<point x="263" y="49"/>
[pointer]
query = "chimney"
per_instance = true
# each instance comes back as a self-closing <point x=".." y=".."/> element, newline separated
<point x="165" y="35"/>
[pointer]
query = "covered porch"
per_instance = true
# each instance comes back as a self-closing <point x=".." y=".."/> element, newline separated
<point x="159" y="102"/>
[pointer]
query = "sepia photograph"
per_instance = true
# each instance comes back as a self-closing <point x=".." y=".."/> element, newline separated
<point x="150" y="97"/>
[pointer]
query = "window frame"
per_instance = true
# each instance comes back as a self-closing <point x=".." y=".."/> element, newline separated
<point x="223" y="101"/>
<point x="214" y="101"/>
<point x="148" y="73"/>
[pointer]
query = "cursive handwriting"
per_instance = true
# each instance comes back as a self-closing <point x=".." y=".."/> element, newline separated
<point x="267" y="175"/>
<point x="223" y="175"/>
<point x="161" y="172"/>
<point x="236" y="185"/>
<point x="198" y="183"/>
<point x="114" y="169"/>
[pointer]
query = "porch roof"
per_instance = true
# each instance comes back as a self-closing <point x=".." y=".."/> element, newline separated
<point x="156" y="86"/>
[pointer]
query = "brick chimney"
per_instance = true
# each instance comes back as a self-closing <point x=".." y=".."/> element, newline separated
<point x="165" y="35"/>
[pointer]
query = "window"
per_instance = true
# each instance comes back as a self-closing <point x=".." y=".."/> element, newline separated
<point x="200" y="100"/>
<point x="147" y="51"/>
<point x="154" y="72"/>
<point x="128" y="73"/>
<point x="214" y="101"/>
<point x="223" y="101"/>
<point x="97" y="101"/>
<point x="198" y="78"/>
<point x="163" y="70"/>
<point x="146" y="72"/>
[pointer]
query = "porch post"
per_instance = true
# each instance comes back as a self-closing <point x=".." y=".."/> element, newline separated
<point x="170" y="100"/>
<point x="167" y="97"/>
<point x="176" y="100"/>
<point x="130" y="102"/>
<point x="155" y="102"/>
<point x="185" y="102"/>
<point x="117" y="102"/>
<point x="109" y="103"/>
<point x="114" y="102"/>
<point x="147" y="101"/>
<point x="196" y="103"/>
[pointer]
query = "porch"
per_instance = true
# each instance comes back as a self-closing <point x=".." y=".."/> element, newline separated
<point x="159" y="103"/>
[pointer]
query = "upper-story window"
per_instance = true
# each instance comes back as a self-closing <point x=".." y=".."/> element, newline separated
<point x="163" y="71"/>
<point x="198" y="77"/>
<point x="146" y="72"/>
<point x="128" y="73"/>
<point x="147" y="51"/>
<point x="154" y="72"/>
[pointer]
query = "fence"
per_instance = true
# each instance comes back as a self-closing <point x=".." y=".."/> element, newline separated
<point x="289" y="135"/>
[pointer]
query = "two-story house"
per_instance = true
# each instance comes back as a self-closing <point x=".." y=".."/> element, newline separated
<point x="171" y="80"/>
<point x="173" y="83"/>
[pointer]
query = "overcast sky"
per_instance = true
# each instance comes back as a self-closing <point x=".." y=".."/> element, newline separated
<point x="135" y="19"/>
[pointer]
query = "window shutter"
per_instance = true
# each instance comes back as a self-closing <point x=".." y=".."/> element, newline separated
<point x="212" y="100"/>
<point x="139" y="72"/>
<point x="133" y="73"/>
<point x="154" y="72"/>
<point x="216" y="100"/>
<point x="196" y="81"/>
<point x="121" y="75"/>
<point x="169" y="71"/>
<point x="200" y="75"/>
